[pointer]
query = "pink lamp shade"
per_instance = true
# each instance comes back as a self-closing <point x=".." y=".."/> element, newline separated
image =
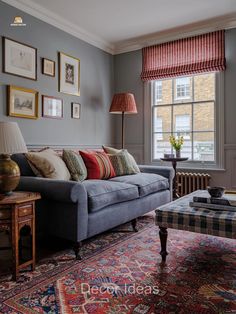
<point x="123" y="103"/>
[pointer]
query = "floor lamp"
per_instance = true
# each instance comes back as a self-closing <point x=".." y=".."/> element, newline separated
<point x="123" y="103"/>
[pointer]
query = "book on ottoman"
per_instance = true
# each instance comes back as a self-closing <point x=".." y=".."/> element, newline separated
<point x="226" y="203"/>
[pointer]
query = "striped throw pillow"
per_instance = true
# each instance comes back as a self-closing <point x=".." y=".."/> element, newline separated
<point x="98" y="165"/>
<point x="111" y="150"/>
<point x="75" y="164"/>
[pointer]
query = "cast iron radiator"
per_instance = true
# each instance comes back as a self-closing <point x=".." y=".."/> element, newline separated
<point x="189" y="182"/>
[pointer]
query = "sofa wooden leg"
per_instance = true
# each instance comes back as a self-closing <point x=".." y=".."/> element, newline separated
<point x="77" y="248"/>
<point x="134" y="224"/>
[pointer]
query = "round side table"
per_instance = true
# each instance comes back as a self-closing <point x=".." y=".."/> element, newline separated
<point x="174" y="161"/>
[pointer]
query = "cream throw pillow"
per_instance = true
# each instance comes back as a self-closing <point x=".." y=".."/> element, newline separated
<point x="48" y="164"/>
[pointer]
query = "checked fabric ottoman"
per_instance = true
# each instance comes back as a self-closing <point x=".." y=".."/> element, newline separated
<point x="179" y="215"/>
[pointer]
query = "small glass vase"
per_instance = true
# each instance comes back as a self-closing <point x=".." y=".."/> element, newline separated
<point x="178" y="153"/>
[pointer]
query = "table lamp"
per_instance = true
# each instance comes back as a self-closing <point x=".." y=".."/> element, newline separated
<point x="11" y="142"/>
<point x="123" y="103"/>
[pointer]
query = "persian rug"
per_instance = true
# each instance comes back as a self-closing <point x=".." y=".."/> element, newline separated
<point x="121" y="272"/>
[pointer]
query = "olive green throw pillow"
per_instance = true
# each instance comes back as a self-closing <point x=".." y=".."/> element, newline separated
<point x="122" y="164"/>
<point x="75" y="164"/>
<point x="110" y="150"/>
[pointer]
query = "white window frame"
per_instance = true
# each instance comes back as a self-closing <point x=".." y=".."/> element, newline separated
<point x="219" y="129"/>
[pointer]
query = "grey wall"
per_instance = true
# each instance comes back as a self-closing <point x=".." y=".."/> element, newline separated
<point x="128" y="67"/>
<point x="97" y="80"/>
<point x="127" y="77"/>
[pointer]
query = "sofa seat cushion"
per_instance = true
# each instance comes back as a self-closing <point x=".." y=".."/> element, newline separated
<point x="147" y="183"/>
<point x="102" y="193"/>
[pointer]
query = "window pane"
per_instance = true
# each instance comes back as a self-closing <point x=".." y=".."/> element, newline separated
<point x="162" y="119"/>
<point x="203" y="117"/>
<point x="182" y="120"/>
<point x="161" y="146"/>
<point x="163" y="92"/>
<point x="204" y="146"/>
<point x="204" y="87"/>
<point x="183" y="89"/>
<point x="186" y="150"/>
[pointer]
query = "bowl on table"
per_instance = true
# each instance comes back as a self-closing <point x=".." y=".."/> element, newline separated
<point x="216" y="191"/>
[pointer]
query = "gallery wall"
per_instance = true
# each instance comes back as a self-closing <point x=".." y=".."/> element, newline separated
<point x="128" y="67"/>
<point x="95" y="127"/>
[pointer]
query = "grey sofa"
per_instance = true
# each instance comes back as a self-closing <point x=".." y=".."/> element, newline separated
<point x="76" y="211"/>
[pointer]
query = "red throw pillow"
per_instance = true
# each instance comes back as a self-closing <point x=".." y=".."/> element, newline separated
<point x="98" y="165"/>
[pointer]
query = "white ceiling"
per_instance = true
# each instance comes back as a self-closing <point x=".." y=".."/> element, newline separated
<point x="110" y="24"/>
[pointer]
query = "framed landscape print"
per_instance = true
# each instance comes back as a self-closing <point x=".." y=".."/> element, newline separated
<point x="22" y="102"/>
<point x="75" y="110"/>
<point x="19" y="59"/>
<point x="48" y="67"/>
<point x="69" y="74"/>
<point x="52" y="107"/>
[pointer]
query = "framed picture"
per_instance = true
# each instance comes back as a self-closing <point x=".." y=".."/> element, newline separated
<point x="22" y="102"/>
<point x="19" y="59"/>
<point x="52" y="107"/>
<point x="48" y="67"/>
<point x="75" y="110"/>
<point x="69" y="74"/>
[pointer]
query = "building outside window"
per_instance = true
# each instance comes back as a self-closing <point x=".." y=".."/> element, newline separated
<point x="182" y="125"/>
<point x="182" y="86"/>
<point x="158" y="127"/>
<point x="193" y="117"/>
<point x="158" y="90"/>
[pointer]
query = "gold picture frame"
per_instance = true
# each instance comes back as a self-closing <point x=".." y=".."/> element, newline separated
<point x="22" y="102"/>
<point x="69" y="74"/>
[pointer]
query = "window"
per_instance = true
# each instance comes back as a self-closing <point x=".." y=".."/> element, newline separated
<point x="193" y="117"/>
<point x="158" y="89"/>
<point x="182" y="88"/>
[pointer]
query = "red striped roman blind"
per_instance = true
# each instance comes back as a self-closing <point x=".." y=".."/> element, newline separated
<point x="203" y="53"/>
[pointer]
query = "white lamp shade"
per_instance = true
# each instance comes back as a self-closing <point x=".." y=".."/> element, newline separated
<point x="11" y="139"/>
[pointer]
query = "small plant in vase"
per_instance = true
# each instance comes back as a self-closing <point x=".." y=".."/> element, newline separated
<point x="177" y="143"/>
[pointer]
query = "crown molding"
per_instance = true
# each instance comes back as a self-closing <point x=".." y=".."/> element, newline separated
<point x="51" y="18"/>
<point x="218" y="23"/>
<point x="221" y="22"/>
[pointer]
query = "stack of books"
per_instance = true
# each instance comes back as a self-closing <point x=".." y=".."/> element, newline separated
<point x="225" y="203"/>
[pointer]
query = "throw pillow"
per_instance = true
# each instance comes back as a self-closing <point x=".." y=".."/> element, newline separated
<point x="48" y="164"/>
<point x="121" y="164"/>
<point x="98" y="165"/>
<point x="75" y="164"/>
<point x="111" y="150"/>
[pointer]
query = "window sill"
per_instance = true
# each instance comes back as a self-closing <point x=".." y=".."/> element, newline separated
<point x="190" y="166"/>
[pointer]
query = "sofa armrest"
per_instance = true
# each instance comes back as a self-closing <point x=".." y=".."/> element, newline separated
<point x="57" y="190"/>
<point x="167" y="172"/>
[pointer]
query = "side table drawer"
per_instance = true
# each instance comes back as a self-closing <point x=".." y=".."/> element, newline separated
<point x="5" y="213"/>
<point x="25" y="210"/>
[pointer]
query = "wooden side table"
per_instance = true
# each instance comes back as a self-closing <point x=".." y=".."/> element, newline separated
<point x="174" y="161"/>
<point x="17" y="216"/>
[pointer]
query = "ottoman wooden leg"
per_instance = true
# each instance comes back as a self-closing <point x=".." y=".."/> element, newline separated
<point x="163" y="238"/>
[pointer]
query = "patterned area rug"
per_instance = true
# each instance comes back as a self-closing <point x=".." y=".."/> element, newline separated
<point x="122" y="273"/>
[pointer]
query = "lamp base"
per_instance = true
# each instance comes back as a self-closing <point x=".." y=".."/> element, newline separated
<point x="9" y="175"/>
